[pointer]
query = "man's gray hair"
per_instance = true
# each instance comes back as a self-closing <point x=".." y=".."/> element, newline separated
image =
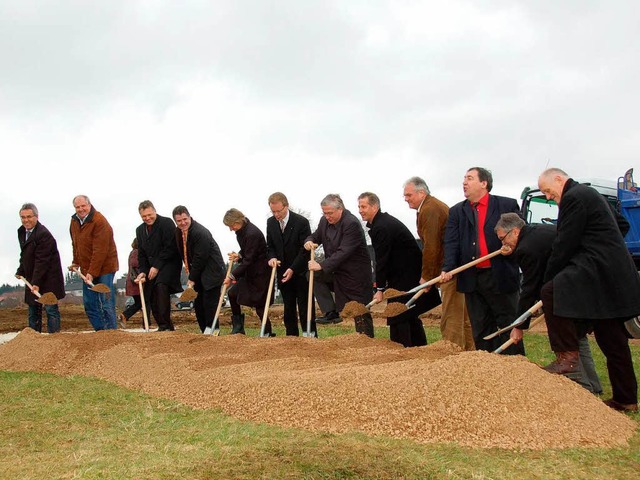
<point x="509" y="221"/>
<point x="30" y="206"/>
<point x="86" y="199"/>
<point x="553" y="171"/>
<point x="419" y="184"/>
<point x="332" y="200"/>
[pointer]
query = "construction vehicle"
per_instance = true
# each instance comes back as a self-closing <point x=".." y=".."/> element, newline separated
<point x="623" y="196"/>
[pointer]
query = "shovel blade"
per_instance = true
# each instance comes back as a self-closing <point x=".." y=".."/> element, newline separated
<point x="207" y="331"/>
<point x="101" y="288"/>
<point x="47" y="299"/>
<point x="188" y="295"/>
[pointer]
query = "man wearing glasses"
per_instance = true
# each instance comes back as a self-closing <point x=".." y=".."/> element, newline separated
<point x="530" y="246"/>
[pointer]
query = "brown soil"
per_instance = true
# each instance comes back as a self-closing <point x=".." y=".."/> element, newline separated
<point x="392" y="292"/>
<point x="349" y="383"/>
<point x="395" y="308"/>
<point x="353" y="309"/>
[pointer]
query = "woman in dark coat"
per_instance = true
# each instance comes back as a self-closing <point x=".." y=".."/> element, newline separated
<point x="132" y="289"/>
<point x="252" y="273"/>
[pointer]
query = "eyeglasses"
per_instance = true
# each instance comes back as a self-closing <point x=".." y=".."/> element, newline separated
<point x="278" y="212"/>
<point x="504" y="236"/>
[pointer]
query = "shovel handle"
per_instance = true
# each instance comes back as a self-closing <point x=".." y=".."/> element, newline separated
<point x="84" y="279"/>
<point x="222" y="292"/>
<point x="510" y="342"/>
<point x="145" y="318"/>
<point x="36" y="293"/>
<point x="459" y="269"/>
<point x="310" y="304"/>
<point x="265" y="315"/>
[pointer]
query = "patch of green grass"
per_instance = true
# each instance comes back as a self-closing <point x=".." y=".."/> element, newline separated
<point x="55" y="427"/>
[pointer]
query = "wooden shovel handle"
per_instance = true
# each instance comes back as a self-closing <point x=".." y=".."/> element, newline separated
<point x="310" y="304"/>
<point x="222" y="292"/>
<point x="145" y="318"/>
<point x="36" y="293"/>
<point x="265" y="315"/>
<point x="84" y="279"/>
<point x="510" y="342"/>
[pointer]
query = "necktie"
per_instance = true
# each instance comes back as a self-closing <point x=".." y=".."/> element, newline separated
<point x="474" y="207"/>
<point x="184" y="250"/>
<point x="282" y="225"/>
<point x="27" y="235"/>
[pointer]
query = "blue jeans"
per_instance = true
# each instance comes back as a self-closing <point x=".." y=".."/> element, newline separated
<point x="53" y="317"/>
<point x="101" y="307"/>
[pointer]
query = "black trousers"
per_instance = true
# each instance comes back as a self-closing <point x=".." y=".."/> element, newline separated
<point x="611" y="336"/>
<point x="295" y="297"/>
<point x="160" y="300"/>
<point x="205" y="306"/>
<point x="489" y="310"/>
<point x="134" y="308"/>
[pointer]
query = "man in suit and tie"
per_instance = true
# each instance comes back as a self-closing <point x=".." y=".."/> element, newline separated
<point x="286" y="233"/>
<point x="491" y="288"/>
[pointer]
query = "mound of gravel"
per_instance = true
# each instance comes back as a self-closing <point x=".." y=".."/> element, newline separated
<point x="347" y="383"/>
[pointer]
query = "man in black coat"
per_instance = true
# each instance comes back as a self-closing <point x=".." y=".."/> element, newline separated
<point x="160" y="264"/>
<point x="398" y="266"/>
<point x="530" y="246"/>
<point x="203" y="263"/>
<point x="490" y="288"/>
<point x="590" y="276"/>
<point x="252" y="273"/>
<point x="40" y="265"/>
<point x="286" y="233"/>
<point x="346" y="256"/>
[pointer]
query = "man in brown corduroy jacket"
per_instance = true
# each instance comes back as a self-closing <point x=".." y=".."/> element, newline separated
<point x="95" y="254"/>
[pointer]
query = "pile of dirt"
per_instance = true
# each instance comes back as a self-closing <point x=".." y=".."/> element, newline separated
<point x="340" y="384"/>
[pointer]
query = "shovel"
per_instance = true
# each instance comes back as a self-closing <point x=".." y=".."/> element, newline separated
<point x="43" y="298"/>
<point x="100" y="287"/>
<point x="310" y="304"/>
<point x="518" y="321"/>
<point x="144" y="306"/>
<point x="509" y="342"/>
<point x="212" y="330"/>
<point x="420" y="288"/>
<point x="265" y="315"/>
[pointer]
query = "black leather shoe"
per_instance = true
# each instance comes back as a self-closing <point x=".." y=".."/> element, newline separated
<point x="330" y="317"/>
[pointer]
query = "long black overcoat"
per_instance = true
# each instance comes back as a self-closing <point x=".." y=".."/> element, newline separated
<point x="157" y="248"/>
<point x="206" y="265"/>
<point x="593" y="274"/>
<point x="252" y="272"/>
<point x="40" y="262"/>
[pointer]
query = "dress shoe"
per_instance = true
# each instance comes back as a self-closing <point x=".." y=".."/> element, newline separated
<point x="621" y="407"/>
<point x="330" y="317"/>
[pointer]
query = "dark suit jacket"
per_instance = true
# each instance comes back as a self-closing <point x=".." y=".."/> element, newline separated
<point x="40" y="262"/>
<point x="531" y="254"/>
<point x="253" y="272"/>
<point x="288" y="246"/>
<point x="158" y="249"/>
<point x="398" y="261"/>
<point x="593" y="274"/>
<point x="206" y="265"/>
<point x="460" y="244"/>
<point x="347" y="257"/>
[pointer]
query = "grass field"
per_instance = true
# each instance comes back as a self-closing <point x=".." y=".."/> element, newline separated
<point x="54" y="427"/>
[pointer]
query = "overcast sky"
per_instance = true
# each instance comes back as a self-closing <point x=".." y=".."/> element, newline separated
<point x="217" y="104"/>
